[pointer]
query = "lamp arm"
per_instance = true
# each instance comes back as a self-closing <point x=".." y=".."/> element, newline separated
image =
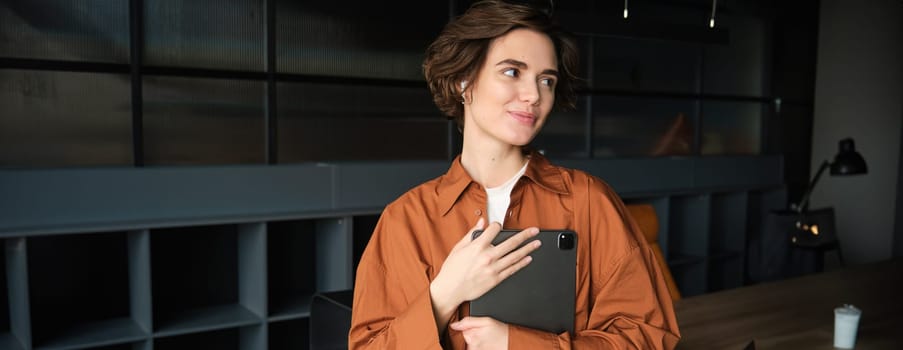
<point x="804" y="202"/>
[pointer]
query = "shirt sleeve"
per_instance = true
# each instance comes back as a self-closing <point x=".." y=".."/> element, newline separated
<point x="392" y="308"/>
<point x="630" y="307"/>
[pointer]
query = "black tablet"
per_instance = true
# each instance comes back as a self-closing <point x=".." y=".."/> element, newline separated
<point x="541" y="295"/>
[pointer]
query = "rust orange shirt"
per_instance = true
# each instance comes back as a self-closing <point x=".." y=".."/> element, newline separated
<point x="622" y="301"/>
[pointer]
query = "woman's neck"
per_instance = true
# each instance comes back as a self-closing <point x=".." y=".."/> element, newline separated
<point x="491" y="163"/>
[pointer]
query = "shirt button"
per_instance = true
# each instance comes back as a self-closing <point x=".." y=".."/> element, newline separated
<point x="478" y="212"/>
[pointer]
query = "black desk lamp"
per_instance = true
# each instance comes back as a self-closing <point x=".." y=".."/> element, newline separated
<point x="816" y="229"/>
<point x="846" y="162"/>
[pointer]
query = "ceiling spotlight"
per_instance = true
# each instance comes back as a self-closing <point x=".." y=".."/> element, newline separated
<point x="712" y="18"/>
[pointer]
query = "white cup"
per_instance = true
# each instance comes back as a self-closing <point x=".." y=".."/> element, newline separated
<point x="846" y="324"/>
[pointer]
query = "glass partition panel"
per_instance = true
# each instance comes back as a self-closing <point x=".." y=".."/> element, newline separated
<point x="58" y="119"/>
<point x="215" y="34"/>
<point x="68" y="30"/>
<point x="359" y="38"/>
<point x="564" y="134"/>
<point x="646" y="65"/>
<point x="347" y="122"/>
<point x="632" y="126"/>
<point x="203" y="121"/>
<point x="731" y="127"/>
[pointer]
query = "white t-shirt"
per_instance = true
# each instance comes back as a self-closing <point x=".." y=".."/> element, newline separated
<point x="500" y="197"/>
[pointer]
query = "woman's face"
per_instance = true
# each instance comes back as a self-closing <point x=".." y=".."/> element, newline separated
<point x="514" y="90"/>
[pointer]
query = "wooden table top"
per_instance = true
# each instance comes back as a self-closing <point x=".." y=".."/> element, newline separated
<point x="798" y="313"/>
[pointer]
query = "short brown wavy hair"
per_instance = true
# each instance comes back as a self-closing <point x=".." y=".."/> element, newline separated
<point x="461" y="48"/>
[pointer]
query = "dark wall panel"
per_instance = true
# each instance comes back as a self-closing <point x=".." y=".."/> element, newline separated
<point x="69" y="30"/>
<point x="50" y="119"/>
<point x="376" y="39"/>
<point x="189" y="121"/>
<point x="321" y="122"/>
<point x="215" y="34"/>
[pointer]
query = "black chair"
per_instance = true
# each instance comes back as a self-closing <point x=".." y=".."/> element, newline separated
<point x="816" y="231"/>
<point x="792" y="244"/>
<point x="330" y="320"/>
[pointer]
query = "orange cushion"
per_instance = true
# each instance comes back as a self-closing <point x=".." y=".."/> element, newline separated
<point x="647" y="220"/>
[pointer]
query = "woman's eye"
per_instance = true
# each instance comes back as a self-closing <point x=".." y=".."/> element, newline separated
<point x="548" y="82"/>
<point x="511" y="72"/>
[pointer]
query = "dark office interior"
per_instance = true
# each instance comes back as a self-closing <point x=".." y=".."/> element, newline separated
<point x="179" y="174"/>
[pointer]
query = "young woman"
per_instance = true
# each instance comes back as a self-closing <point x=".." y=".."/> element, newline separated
<point x="499" y="69"/>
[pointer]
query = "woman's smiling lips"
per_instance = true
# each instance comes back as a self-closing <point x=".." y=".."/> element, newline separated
<point x="523" y="117"/>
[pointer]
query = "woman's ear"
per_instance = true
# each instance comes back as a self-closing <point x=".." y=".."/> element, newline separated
<point x="463" y="92"/>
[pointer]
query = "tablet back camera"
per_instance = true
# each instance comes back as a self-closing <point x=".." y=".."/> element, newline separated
<point x="565" y="241"/>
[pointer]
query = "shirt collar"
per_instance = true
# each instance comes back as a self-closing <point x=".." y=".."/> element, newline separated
<point x="456" y="180"/>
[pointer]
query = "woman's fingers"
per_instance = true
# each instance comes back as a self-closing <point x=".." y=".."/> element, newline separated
<point x="489" y="234"/>
<point x="518" y="255"/>
<point x="469" y="322"/>
<point x="468" y="237"/>
<point x="514" y="268"/>
<point x="513" y="251"/>
<point x="515" y="241"/>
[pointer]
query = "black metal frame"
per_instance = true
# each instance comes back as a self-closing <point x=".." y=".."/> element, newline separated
<point x="136" y="31"/>
<point x="137" y="70"/>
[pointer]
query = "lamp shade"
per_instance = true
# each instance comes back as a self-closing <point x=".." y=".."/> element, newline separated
<point x="848" y="161"/>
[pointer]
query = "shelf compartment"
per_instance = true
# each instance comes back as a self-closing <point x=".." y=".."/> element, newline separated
<point x="362" y="230"/>
<point x="4" y="296"/>
<point x="79" y="290"/>
<point x="97" y="334"/>
<point x="195" y="279"/>
<point x="334" y="254"/>
<point x="208" y="319"/>
<point x="18" y="332"/>
<point x="689" y="219"/>
<point x="727" y="273"/>
<point x="291" y="265"/>
<point x="224" y="339"/>
<point x="8" y="341"/>
<point x="759" y="204"/>
<point x="678" y="260"/>
<point x="724" y="255"/>
<point x="688" y="242"/>
<point x="690" y="277"/>
<point x="128" y="346"/>
<point x="290" y="308"/>
<point x="728" y="223"/>
<point x="290" y="334"/>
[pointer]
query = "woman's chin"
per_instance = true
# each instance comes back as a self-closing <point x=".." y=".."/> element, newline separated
<point x="521" y="141"/>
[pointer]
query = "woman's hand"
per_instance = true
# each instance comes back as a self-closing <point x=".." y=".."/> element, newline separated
<point x="474" y="266"/>
<point x="483" y="333"/>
